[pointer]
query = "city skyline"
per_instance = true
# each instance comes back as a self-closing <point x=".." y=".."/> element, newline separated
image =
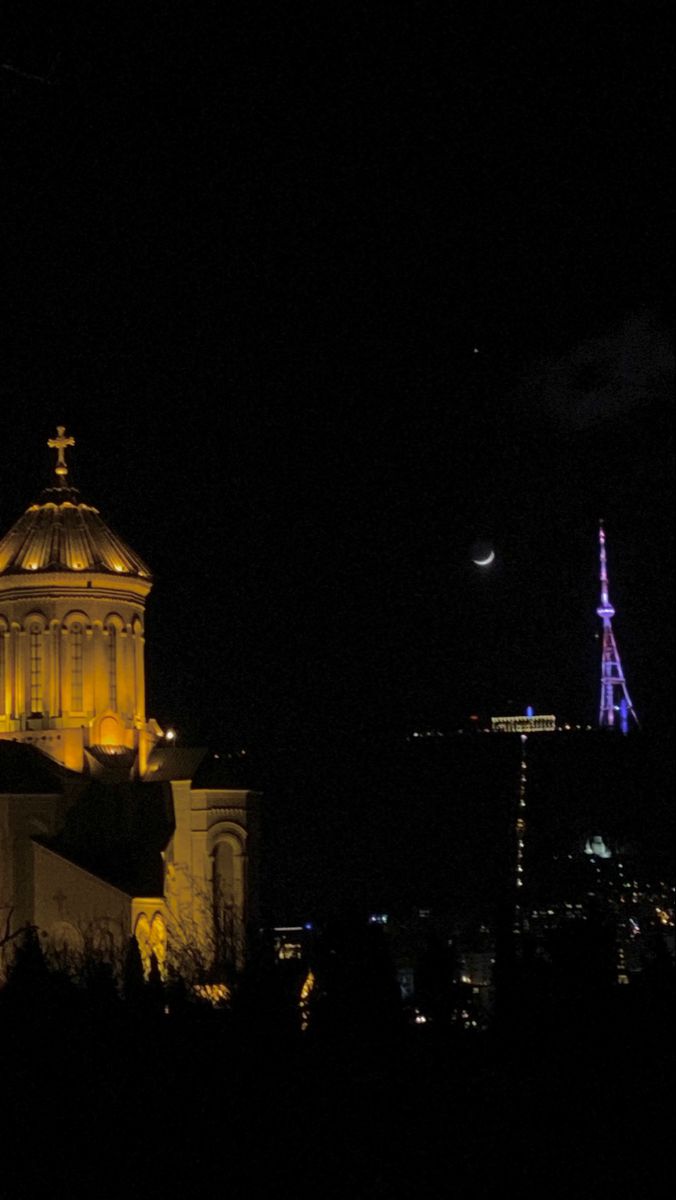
<point x="412" y="632"/>
<point x="315" y="775"/>
<point x="353" y="322"/>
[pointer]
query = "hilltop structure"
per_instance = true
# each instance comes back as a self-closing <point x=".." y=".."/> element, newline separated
<point x="107" y="829"/>
<point x="613" y="682"/>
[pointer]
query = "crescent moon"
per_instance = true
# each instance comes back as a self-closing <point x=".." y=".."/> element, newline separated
<point x="484" y="562"/>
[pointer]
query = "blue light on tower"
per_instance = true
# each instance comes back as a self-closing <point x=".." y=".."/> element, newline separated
<point x="624" y="715"/>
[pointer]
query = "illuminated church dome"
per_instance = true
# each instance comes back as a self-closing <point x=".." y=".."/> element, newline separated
<point x="65" y="535"/>
<point x="72" y="642"/>
<point x="60" y="533"/>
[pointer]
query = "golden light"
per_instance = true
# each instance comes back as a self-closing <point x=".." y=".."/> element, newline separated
<point x="214" y="993"/>
<point x="304" y="1000"/>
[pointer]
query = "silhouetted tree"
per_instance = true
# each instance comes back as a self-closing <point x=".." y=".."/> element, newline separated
<point x="133" y="982"/>
<point x="33" y="990"/>
<point x="101" y="990"/>
<point x="154" y="988"/>
<point x="29" y="970"/>
<point x="356" y="992"/>
<point x="435" y="978"/>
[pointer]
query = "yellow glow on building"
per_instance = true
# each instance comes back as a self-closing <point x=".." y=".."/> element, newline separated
<point x="290" y="950"/>
<point x="151" y="936"/>
<point x="72" y="619"/>
<point x="72" y="686"/>
<point x="306" y="991"/>
<point x="216" y="994"/>
<point x="545" y="723"/>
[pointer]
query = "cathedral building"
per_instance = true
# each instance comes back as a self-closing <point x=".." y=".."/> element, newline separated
<point x="107" y="828"/>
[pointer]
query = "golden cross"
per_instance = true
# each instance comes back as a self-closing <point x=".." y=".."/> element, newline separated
<point x="59" y="443"/>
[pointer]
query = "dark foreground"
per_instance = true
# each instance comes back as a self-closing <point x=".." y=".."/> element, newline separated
<point x="149" y="1104"/>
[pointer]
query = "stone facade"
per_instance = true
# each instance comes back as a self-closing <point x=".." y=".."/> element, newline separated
<point x="106" y="830"/>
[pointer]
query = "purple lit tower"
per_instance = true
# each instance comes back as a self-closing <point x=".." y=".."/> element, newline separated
<point x="612" y="676"/>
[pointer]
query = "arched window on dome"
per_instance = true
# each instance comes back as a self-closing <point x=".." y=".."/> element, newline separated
<point x="76" y="668"/>
<point x="36" y="667"/>
<point x="112" y="666"/>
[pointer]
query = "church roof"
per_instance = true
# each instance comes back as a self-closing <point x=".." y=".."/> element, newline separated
<point x="118" y="832"/>
<point x="204" y="769"/>
<point x="61" y="533"/>
<point x="24" y="770"/>
<point x="174" y="762"/>
<point x="66" y="535"/>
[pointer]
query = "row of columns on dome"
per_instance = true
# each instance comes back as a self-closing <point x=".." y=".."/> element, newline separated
<point x="76" y="669"/>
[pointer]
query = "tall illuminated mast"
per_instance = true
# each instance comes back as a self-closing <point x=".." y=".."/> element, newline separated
<point x="612" y="676"/>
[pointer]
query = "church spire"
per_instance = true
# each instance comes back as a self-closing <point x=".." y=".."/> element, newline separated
<point x="59" y="443"/>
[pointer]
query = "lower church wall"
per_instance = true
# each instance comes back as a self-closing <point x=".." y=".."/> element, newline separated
<point x="74" y="906"/>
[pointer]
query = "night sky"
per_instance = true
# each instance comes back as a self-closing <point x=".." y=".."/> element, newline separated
<point x="326" y="294"/>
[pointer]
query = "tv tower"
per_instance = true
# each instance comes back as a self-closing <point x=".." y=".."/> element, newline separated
<point x="612" y="676"/>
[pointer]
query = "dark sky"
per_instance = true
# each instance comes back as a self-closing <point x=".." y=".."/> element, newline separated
<point x="249" y="257"/>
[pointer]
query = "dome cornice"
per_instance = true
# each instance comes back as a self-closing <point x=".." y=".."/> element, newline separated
<point x="38" y="584"/>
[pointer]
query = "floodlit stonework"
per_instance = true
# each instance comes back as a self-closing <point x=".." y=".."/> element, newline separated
<point x="106" y="828"/>
<point x="72" y="616"/>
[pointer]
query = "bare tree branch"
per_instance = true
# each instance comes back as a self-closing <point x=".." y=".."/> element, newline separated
<point x="48" y="79"/>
